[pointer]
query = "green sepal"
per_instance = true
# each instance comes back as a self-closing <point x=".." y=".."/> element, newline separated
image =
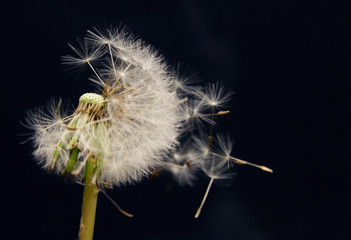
<point x="73" y="160"/>
<point x="55" y="156"/>
<point x="80" y="121"/>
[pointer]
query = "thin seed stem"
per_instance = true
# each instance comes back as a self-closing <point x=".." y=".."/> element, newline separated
<point x="130" y="64"/>
<point x="116" y="205"/>
<point x="91" y="66"/>
<point x="204" y="199"/>
<point x="210" y="137"/>
<point x="91" y="191"/>
<point x="113" y="62"/>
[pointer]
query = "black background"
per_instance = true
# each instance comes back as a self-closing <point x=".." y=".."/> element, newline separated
<point x="288" y="63"/>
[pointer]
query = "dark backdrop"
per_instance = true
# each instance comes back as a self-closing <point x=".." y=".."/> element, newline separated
<point x="288" y="63"/>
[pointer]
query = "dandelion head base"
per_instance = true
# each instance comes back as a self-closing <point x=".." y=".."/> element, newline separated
<point x="91" y="98"/>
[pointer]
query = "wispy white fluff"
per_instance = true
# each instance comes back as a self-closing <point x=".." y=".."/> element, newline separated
<point x="223" y="146"/>
<point x="195" y="114"/>
<point x="49" y="131"/>
<point x="214" y="95"/>
<point x="184" y="165"/>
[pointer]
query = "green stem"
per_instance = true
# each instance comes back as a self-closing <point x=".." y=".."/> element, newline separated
<point x="89" y="203"/>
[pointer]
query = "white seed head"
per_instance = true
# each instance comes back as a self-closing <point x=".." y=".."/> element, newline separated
<point x="132" y="125"/>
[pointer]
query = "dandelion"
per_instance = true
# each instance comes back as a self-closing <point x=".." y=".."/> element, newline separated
<point x="132" y="125"/>
<point x="115" y="136"/>
<point x="129" y="127"/>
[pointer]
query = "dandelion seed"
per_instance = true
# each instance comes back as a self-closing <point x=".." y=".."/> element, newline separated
<point x="193" y="114"/>
<point x="216" y="161"/>
<point x="184" y="165"/>
<point x="216" y="169"/>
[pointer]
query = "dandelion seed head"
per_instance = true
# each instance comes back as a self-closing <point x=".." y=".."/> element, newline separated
<point x="131" y="124"/>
